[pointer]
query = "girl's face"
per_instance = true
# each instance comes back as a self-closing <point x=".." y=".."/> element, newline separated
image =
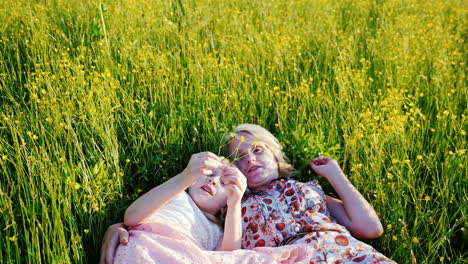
<point x="208" y="192"/>
<point x="255" y="160"/>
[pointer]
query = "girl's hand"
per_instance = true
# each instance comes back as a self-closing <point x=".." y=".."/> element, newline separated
<point x="235" y="184"/>
<point x="326" y="167"/>
<point x="198" y="165"/>
<point x="114" y="235"/>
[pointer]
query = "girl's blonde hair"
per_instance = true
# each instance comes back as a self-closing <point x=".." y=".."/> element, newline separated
<point x="264" y="136"/>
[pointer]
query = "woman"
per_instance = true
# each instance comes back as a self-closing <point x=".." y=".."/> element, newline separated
<point x="281" y="211"/>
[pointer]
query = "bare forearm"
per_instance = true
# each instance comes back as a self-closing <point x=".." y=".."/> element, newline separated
<point x="361" y="215"/>
<point x="152" y="201"/>
<point x="232" y="229"/>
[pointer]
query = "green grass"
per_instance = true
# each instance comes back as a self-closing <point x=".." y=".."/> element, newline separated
<point x="100" y="101"/>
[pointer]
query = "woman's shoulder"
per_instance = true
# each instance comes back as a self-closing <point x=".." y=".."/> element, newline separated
<point x="305" y="187"/>
<point x="298" y="183"/>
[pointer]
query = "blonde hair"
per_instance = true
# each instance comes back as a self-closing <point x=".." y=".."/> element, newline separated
<point x="285" y="168"/>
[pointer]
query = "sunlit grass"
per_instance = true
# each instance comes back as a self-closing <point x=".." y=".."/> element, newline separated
<point x="102" y="100"/>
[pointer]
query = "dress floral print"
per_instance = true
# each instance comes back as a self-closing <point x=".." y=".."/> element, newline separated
<point x="291" y="212"/>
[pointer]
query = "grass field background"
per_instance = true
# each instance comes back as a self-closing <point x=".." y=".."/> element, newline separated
<point x="102" y="100"/>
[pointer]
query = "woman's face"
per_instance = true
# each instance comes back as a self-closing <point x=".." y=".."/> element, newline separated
<point x="208" y="192"/>
<point x="255" y="160"/>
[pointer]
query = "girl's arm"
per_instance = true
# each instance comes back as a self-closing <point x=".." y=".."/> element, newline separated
<point x="235" y="184"/>
<point x="353" y="211"/>
<point x="156" y="198"/>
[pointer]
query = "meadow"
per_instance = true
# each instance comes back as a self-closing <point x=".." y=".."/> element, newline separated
<point x="102" y="100"/>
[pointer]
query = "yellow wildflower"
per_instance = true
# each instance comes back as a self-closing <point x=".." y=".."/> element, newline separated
<point x="415" y="240"/>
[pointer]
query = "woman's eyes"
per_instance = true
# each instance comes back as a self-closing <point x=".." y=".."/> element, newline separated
<point x="254" y="150"/>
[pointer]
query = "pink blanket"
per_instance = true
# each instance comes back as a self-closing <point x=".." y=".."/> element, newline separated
<point x="161" y="243"/>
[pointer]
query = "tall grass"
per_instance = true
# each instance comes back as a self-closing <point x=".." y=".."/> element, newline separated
<point x="101" y="100"/>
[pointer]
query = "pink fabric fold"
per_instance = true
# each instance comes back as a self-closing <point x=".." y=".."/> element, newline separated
<point x="161" y="243"/>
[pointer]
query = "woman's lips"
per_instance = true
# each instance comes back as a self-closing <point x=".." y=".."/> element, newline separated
<point x="207" y="189"/>
<point x="252" y="169"/>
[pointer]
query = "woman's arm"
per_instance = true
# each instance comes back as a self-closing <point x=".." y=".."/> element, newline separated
<point x="235" y="184"/>
<point x="114" y="235"/>
<point x="352" y="211"/>
<point x="156" y="198"/>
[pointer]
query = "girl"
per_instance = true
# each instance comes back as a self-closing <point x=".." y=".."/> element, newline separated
<point x="212" y="184"/>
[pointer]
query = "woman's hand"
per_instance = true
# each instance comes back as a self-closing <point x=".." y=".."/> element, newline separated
<point x="352" y="211"/>
<point x="198" y="165"/>
<point x="115" y="234"/>
<point x="326" y="167"/>
<point x="235" y="184"/>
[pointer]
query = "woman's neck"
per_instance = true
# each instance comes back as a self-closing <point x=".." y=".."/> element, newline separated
<point x="265" y="186"/>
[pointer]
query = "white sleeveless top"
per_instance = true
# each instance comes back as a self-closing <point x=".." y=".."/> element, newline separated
<point x="183" y="214"/>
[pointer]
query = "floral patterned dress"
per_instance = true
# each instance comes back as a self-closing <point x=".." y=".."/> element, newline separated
<point x="291" y="212"/>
